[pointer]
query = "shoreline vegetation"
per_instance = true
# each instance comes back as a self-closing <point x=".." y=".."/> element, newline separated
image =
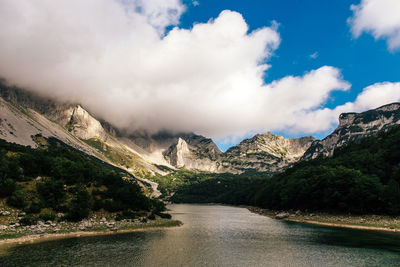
<point x="56" y="190"/>
<point x="25" y="237"/>
<point x="350" y="221"/>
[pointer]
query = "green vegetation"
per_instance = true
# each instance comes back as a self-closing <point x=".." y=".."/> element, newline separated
<point x="360" y="178"/>
<point x="218" y="188"/>
<point x="191" y="187"/>
<point x="167" y="184"/>
<point x="56" y="178"/>
<point x="120" y="156"/>
<point x="93" y="142"/>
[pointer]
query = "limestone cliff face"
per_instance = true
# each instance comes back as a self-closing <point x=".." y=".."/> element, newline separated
<point x="83" y="125"/>
<point x="72" y="116"/>
<point x="194" y="152"/>
<point x="355" y="126"/>
<point x="179" y="153"/>
<point x="24" y="115"/>
<point x="265" y="152"/>
<point x="140" y="151"/>
<point x="19" y="124"/>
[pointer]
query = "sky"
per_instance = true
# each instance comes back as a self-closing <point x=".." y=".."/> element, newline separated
<point x="222" y="69"/>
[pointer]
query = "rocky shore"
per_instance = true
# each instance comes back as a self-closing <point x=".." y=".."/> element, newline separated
<point x="363" y="222"/>
<point x="12" y="231"/>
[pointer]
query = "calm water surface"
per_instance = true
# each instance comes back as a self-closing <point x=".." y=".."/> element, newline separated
<point x="214" y="235"/>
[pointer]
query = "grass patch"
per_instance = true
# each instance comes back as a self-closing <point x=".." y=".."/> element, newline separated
<point x="11" y="235"/>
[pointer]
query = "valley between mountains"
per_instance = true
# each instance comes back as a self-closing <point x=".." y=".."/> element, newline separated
<point x="355" y="169"/>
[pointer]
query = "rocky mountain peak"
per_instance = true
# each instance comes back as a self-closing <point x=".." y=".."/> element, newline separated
<point x="84" y="125"/>
<point x="193" y="152"/>
<point x="355" y="126"/>
<point x="24" y="114"/>
<point x="389" y="107"/>
<point x="266" y="152"/>
<point x="182" y="150"/>
<point x="203" y="147"/>
<point x="346" y="119"/>
<point x="274" y="145"/>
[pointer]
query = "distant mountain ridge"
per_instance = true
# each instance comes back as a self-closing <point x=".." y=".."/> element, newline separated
<point x="23" y="114"/>
<point x="263" y="152"/>
<point x="194" y="152"/>
<point x="139" y="151"/>
<point x="355" y="126"/>
<point x="266" y="152"/>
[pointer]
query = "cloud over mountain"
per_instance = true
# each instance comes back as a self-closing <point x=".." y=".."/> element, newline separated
<point x="116" y="58"/>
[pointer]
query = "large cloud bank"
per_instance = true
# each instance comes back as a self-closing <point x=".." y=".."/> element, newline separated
<point x="380" y="18"/>
<point x="116" y="59"/>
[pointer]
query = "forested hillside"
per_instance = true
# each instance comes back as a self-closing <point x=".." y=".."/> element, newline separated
<point x="361" y="177"/>
<point x="217" y="188"/>
<point x="56" y="178"/>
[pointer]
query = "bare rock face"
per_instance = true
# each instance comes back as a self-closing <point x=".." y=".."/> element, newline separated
<point x="179" y="153"/>
<point x="24" y="114"/>
<point x="194" y="152"/>
<point x="265" y="152"/>
<point x="72" y="116"/>
<point x="52" y="109"/>
<point x="355" y="126"/>
<point x="83" y="125"/>
<point x="20" y="125"/>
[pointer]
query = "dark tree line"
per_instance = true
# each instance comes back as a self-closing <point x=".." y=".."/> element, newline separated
<point x="58" y="178"/>
<point x="361" y="177"/>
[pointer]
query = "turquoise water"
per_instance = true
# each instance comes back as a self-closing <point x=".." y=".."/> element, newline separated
<point x="215" y="235"/>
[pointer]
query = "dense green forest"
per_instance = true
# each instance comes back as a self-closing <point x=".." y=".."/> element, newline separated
<point x="226" y="188"/>
<point x="361" y="177"/>
<point x="55" y="178"/>
<point x="184" y="186"/>
<point x="217" y="188"/>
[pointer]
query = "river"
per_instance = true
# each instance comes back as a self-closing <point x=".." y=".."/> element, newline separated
<point x="216" y="235"/>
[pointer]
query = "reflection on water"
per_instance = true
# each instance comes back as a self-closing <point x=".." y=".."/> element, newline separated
<point x="214" y="235"/>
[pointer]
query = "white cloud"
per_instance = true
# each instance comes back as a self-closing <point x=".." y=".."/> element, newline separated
<point x="159" y="13"/>
<point x="373" y="96"/>
<point x="378" y="17"/>
<point x="114" y="58"/>
<point x="314" y="55"/>
<point x="195" y="3"/>
<point x="298" y="101"/>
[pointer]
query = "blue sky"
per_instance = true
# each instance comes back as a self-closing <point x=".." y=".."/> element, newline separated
<point x="310" y="27"/>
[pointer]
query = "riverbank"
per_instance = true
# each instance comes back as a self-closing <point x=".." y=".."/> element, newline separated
<point x="70" y="230"/>
<point x="362" y="222"/>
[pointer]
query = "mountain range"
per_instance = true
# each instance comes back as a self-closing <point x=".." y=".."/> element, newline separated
<point x="24" y="115"/>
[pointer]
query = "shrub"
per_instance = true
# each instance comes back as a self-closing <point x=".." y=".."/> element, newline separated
<point x="47" y="216"/>
<point x="152" y="217"/>
<point x="79" y="208"/>
<point x="165" y="215"/>
<point x="35" y="207"/>
<point x="28" y="220"/>
<point x="51" y="192"/>
<point x="18" y="199"/>
<point x="128" y="214"/>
